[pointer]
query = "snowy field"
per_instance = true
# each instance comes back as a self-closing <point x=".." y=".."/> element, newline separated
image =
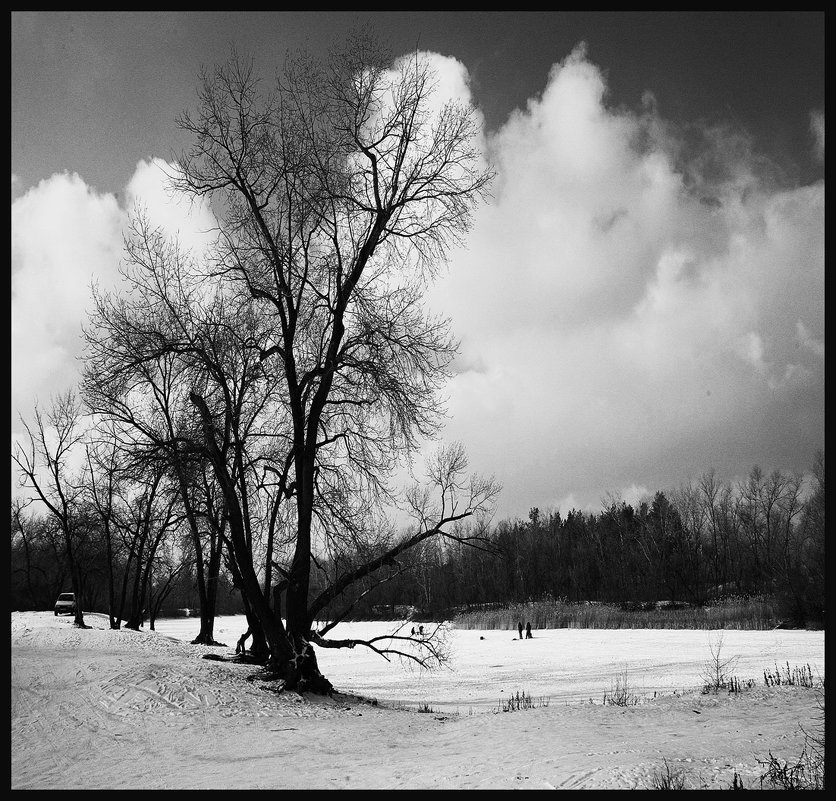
<point x="102" y="709"/>
<point x="561" y="665"/>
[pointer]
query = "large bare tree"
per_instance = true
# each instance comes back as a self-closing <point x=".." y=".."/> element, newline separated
<point x="311" y="365"/>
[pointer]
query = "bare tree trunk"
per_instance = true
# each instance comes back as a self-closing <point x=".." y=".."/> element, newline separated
<point x="78" y="589"/>
<point x="114" y="620"/>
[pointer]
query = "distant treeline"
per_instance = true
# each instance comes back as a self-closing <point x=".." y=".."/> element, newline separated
<point x="762" y="538"/>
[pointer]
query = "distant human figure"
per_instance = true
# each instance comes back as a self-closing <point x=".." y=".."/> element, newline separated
<point x="519" y="628"/>
<point x="421" y="630"/>
<point x="528" y="631"/>
<point x="413" y="631"/>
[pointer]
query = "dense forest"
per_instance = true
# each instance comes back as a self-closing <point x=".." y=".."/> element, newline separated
<point x="691" y="545"/>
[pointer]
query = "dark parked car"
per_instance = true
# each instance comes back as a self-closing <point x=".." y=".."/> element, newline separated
<point x="65" y="605"/>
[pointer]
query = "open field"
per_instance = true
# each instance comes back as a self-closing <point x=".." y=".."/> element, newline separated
<point x="563" y="665"/>
<point x="142" y="710"/>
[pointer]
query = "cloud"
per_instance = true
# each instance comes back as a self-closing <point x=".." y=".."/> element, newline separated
<point x="632" y="303"/>
<point x="567" y="504"/>
<point x="64" y="234"/>
<point x="817" y="129"/>
<point x="638" y="304"/>
<point x="751" y="350"/>
<point x="180" y="216"/>
<point x="450" y="83"/>
<point x="634" y="495"/>
<point x="452" y="80"/>
<point x="808" y="341"/>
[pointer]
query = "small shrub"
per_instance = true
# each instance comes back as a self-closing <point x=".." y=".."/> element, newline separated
<point x="425" y="707"/>
<point x="621" y="694"/>
<point x="735" y="685"/>
<point x="717" y="671"/>
<point x="737" y="782"/>
<point x="519" y="700"/>
<point x="679" y="780"/>
<point x="668" y="780"/>
<point x="807" y="773"/>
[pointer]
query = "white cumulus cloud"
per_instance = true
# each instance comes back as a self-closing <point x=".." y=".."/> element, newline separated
<point x="632" y="303"/>
<point x="64" y="235"/>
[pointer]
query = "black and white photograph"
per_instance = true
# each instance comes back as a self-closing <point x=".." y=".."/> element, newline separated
<point x="417" y="400"/>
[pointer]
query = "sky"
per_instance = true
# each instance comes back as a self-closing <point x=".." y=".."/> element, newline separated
<point x="640" y="301"/>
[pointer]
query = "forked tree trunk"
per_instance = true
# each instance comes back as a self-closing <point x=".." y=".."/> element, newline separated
<point x="288" y="656"/>
<point x="301" y="672"/>
<point x="291" y="656"/>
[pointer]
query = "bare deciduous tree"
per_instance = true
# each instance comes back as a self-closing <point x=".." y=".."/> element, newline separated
<point x="103" y="470"/>
<point x="45" y="468"/>
<point x="302" y="343"/>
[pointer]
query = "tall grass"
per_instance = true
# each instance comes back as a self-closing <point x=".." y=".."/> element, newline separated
<point x="749" y="613"/>
<point x="801" y="676"/>
<point x="520" y="701"/>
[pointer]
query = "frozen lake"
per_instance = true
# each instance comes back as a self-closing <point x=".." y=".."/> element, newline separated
<point x="563" y="665"/>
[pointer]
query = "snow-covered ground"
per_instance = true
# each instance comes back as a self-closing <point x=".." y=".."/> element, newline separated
<point x="561" y="665"/>
<point x="123" y="709"/>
